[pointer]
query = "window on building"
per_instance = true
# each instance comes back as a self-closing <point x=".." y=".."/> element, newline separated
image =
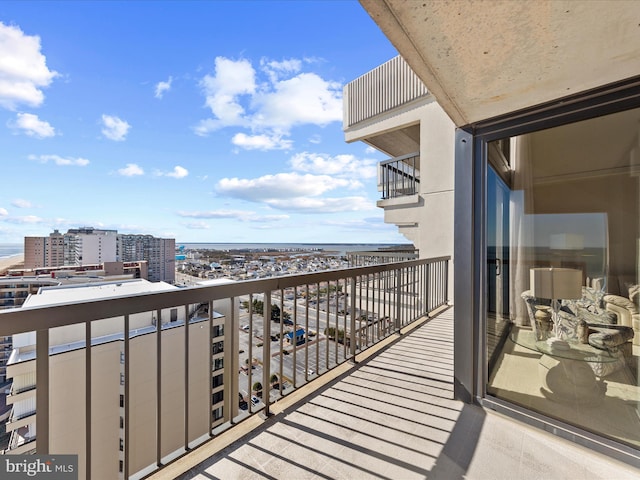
<point x="218" y="347"/>
<point x="121" y="401"/>
<point x="218" y="364"/>
<point x="217" y="398"/>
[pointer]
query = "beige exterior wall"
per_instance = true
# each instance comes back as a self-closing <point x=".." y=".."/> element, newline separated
<point x="425" y="219"/>
<point x="105" y="410"/>
<point x="67" y="398"/>
<point x="34" y="251"/>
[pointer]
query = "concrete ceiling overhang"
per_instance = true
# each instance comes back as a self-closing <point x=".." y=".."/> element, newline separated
<point x="482" y="59"/>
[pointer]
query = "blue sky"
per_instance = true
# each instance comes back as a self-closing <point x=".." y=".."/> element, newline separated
<point x="201" y="121"/>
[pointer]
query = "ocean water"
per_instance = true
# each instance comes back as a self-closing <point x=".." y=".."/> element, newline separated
<point x="11" y="249"/>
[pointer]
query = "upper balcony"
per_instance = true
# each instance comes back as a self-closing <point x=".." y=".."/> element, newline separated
<point x="379" y="108"/>
<point x="389" y="86"/>
<point x="400" y="176"/>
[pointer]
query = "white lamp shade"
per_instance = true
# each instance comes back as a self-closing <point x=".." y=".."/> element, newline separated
<point x="556" y="283"/>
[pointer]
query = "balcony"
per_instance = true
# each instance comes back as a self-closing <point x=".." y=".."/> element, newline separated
<point x="377" y="406"/>
<point x="337" y="315"/>
<point x="392" y="416"/>
<point x="400" y="176"/>
<point x="389" y="86"/>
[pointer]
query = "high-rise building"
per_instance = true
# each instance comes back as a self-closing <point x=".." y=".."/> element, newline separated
<point x="45" y="251"/>
<point x="90" y="246"/>
<point x="159" y="253"/>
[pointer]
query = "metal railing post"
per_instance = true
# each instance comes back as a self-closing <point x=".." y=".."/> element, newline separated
<point x="87" y="392"/>
<point x="42" y="391"/>
<point x="266" y="351"/>
<point x="353" y="319"/>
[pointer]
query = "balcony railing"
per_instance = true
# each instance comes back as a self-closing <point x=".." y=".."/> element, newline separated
<point x="279" y="332"/>
<point x="384" y="88"/>
<point x="400" y="176"/>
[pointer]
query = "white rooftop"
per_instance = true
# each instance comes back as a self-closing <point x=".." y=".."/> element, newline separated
<point x="78" y="293"/>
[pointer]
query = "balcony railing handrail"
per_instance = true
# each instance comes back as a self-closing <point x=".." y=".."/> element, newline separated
<point x="29" y="319"/>
<point x="378" y="301"/>
<point x="400" y="158"/>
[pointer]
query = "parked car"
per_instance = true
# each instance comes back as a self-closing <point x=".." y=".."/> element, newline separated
<point x="246" y="328"/>
<point x="255" y="400"/>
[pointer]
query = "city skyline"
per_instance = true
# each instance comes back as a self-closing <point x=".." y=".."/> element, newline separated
<point x="200" y="121"/>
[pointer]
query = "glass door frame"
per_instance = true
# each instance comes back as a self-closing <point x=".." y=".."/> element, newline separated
<point x="470" y="265"/>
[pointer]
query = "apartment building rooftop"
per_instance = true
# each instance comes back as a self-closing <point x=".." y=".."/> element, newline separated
<point x="77" y="293"/>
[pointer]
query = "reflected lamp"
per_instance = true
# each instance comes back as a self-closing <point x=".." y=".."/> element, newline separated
<point x="556" y="284"/>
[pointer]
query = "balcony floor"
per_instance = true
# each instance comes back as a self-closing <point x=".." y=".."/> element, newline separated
<point x="394" y="417"/>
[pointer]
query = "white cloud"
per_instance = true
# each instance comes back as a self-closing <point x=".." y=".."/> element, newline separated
<point x="3" y="212"/>
<point x="269" y="218"/>
<point x="114" y="128"/>
<point x="243" y="215"/>
<point x="21" y="203"/>
<point x="217" y="214"/>
<point x="197" y="226"/>
<point x="60" y="161"/>
<point x="23" y="68"/>
<point x="231" y="79"/>
<point x="339" y="165"/>
<point x="178" y="172"/>
<point x="28" y="219"/>
<point x="295" y="192"/>
<point x="303" y="99"/>
<point x="31" y="125"/>
<point x="370" y="150"/>
<point x="261" y="142"/>
<point x="279" y="186"/>
<point x="323" y="205"/>
<point x="285" y="98"/>
<point x="275" y="69"/>
<point x="162" y="87"/>
<point x="131" y="170"/>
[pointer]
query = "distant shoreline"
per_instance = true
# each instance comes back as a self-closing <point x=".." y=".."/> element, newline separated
<point x="14" y="261"/>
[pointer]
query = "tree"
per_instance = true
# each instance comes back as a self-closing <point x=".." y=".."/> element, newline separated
<point x="257" y="387"/>
<point x="335" y="335"/>
<point x="275" y="314"/>
<point x="273" y="379"/>
<point x="258" y="306"/>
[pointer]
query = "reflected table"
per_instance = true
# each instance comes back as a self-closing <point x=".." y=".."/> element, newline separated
<point x="567" y="375"/>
